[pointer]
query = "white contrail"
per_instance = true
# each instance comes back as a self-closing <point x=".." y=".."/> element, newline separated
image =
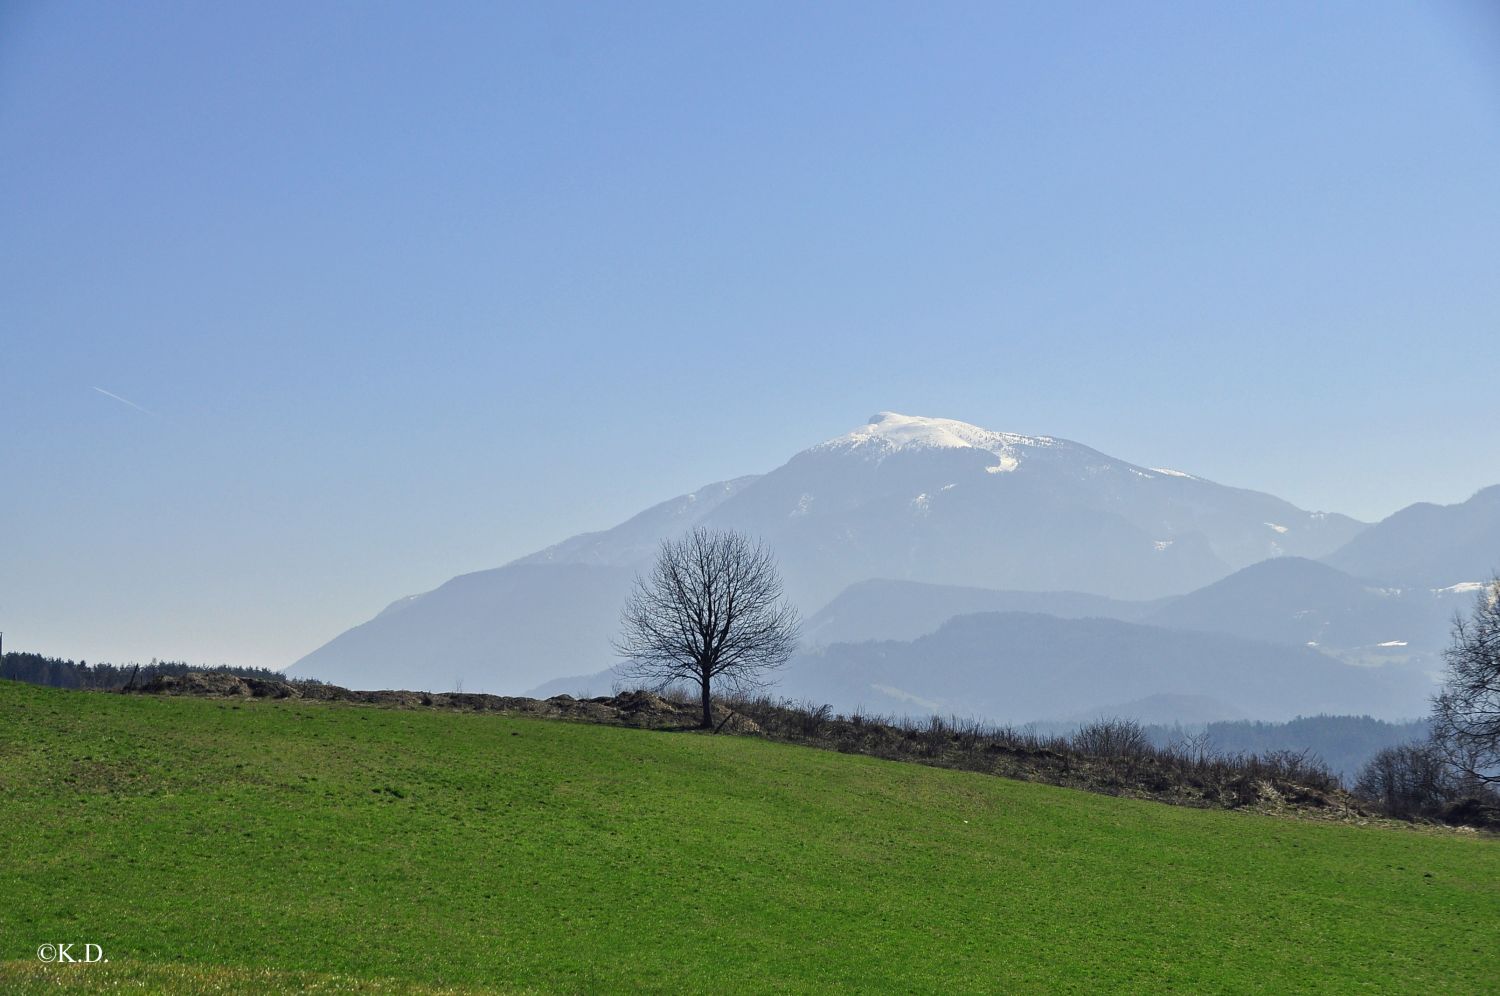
<point x="124" y="401"/>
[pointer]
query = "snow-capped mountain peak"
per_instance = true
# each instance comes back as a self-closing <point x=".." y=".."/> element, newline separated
<point x="892" y="432"/>
<point x="903" y="497"/>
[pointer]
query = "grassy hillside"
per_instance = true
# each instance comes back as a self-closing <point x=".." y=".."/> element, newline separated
<point x="259" y="846"/>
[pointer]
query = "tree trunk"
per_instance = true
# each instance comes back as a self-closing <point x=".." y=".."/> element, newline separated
<point x="708" y="710"/>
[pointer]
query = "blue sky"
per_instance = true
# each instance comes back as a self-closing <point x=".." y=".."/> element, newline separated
<point x="410" y="290"/>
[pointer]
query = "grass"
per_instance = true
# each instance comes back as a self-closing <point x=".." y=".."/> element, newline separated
<point x="33" y="976"/>
<point x="263" y="846"/>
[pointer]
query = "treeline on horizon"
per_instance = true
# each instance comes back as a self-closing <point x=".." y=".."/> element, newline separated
<point x="1343" y="743"/>
<point x="56" y="672"/>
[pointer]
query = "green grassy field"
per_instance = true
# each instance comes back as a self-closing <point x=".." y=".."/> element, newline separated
<point x="212" y="846"/>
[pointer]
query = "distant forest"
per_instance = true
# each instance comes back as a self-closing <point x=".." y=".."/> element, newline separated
<point x="59" y="673"/>
<point x="1344" y="743"/>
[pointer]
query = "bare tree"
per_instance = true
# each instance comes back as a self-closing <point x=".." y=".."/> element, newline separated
<point x="711" y="608"/>
<point x="1408" y="780"/>
<point x="1466" y="714"/>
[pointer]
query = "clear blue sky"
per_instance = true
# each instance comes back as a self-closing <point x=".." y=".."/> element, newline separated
<point x="407" y="290"/>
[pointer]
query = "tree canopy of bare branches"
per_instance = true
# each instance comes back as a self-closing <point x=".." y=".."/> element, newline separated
<point x="1409" y="780"/>
<point x="1466" y="714"/>
<point x="710" y="609"/>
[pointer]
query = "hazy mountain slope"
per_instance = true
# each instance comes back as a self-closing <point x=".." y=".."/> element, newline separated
<point x="504" y="629"/>
<point x="1428" y="545"/>
<point x="1299" y="601"/>
<point x="902" y="497"/>
<point x="904" y="610"/>
<point x="1285" y="600"/>
<point x="492" y="631"/>
<point x="635" y="540"/>
<point x="1016" y="667"/>
<point x="1166" y="709"/>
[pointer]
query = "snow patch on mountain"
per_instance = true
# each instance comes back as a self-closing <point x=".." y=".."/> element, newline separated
<point x="903" y="696"/>
<point x="892" y="432"/>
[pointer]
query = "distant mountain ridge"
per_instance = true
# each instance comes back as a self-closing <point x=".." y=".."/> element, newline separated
<point x="1429" y="545"/>
<point x="880" y="609"/>
<point x="1304" y="602"/>
<point x="1015" y="667"/>
<point x="1288" y="600"/>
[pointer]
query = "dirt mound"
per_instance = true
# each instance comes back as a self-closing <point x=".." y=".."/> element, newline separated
<point x="636" y="708"/>
<point x="197" y="683"/>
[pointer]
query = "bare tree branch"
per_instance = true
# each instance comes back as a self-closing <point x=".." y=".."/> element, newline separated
<point x="1466" y="714"/>
<point x="710" y="608"/>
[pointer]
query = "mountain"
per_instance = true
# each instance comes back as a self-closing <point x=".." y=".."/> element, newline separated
<point x="502" y="628"/>
<point x="1017" y="667"/>
<point x="1280" y="607"/>
<point x="1426" y="545"/>
<point x="1303" y="602"/>
<point x="1165" y="709"/>
<point x="903" y="497"/>
<point x="904" y="610"/>
<point x="945" y="502"/>
<point x="513" y="626"/>
<point x="1289" y="600"/>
